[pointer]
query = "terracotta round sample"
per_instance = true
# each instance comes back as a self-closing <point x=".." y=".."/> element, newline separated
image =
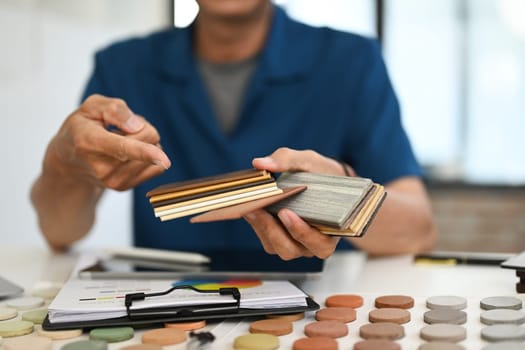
<point x="256" y="341"/>
<point x="500" y="302"/>
<point x="387" y="314"/>
<point x="15" y="328"/>
<point x="376" y="344"/>
<point x="287" y="317"/>
<point x="451" y="333"/>
<point x="382" y="330"/>
<point x="345" y="300"/>
<point x="450" y="316"/>
<point x="272" y="326"/>
<point x="503" y="332"/>
<point x="187" y="326"/>
<point x="315" y="343"/>
<point x="86" y="345"/>
<point x="505" y="345"/>
<point x="330" y="329"/>
<point x="111" y="334"/>
<point x="60" y="335"/>
<point x="502" y="316"/>
<point x="446" y="302"/>
<point x="394" y="301"/>
<point x="341" y="314"/>
<point x="164" y="336"/>
<point x="437" y="345"/>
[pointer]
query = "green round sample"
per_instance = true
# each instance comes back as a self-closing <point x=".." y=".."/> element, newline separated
<point x="86" y="345"/>
<point x="35" y="316"/>
<point x="111" y="334"/>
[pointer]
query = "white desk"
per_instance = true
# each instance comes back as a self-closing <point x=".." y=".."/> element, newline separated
<point x="345" y="273"/>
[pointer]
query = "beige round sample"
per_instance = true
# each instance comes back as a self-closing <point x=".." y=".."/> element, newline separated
<point x="450" y="316"/>
<point x="443" y="332"/>
<point x="60" y="335"/>
<point x="7" y="313"/>
<point x="376" y="344"/>
<point x="25" y="303"/>
<point x="31" y="342"/>
<point x="446" y="302"/>
<point x="382" y="330"/>
<point x="437" y="345"/>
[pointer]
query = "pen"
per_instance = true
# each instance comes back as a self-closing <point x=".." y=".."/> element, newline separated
<point x="159" y="255"/>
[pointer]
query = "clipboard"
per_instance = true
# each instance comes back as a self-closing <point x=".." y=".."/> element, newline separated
<point x="158" y="315"/>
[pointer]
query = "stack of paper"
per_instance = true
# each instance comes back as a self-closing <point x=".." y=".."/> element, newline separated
<point x="91" y="300"/>
<point x="336" y="205"/>
<point x="179" y="199"/>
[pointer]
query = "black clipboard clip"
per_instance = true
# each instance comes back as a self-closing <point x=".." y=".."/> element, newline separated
<point x="183" y="311"/>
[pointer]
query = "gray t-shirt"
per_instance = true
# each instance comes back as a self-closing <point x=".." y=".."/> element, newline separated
<point x="226" y="84"/>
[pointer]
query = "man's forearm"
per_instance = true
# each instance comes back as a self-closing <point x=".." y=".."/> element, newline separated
<point x="403" y="225"/>
<point x="65" y="207"/>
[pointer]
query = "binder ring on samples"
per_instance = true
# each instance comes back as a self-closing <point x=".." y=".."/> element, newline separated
<point x="183" y="311"/>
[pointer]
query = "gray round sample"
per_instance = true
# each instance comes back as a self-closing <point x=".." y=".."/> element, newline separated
<point x="503" y="332"/>
<point x="449" y="316"/>
<point x="505" y="345"/>
<point x="443" y="332"/>
<point x="500" y="302"/>
<point x="502" y="316"/>
<point x="446" y="302"/>
<point x="438" y="345"/>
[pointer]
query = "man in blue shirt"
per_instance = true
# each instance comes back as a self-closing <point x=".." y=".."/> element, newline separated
<point x="243" y="81"/>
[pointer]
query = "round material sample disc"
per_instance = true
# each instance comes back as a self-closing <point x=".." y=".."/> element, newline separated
<point x="164" y="336"/>
<point x="7" y="313"/>
<point x="142" y="347"/>
<point x="111" y="334"/>
<point x="25" y="303"/>
<point x="503" y="332"/>
<point x="504" y="302"/>
<point x="346" y="300"/>
<point x="271" y="326"/>
<point x="32" y="342"/>
<point x="443" y="332"/>
<point x="86" y="345"/>
<point x="505" y="345"/>
<point x="256" y="341"/>
<point x="437" y="345"/>
<point x="15" y="328"/>
<point x="450" y="316"/>
<point x="35" y="316"/>
<point x="287" y="317"/>
<point x="330" y="329"/>
<point x="446" y="302"/>
<point x="60" y="335"/>
<point x="394" y="301"/>
<point x="376" y="344"/>
<point x="382" y="330"/>
<point x="341" y="314"/>
<point x="502" y="316"/>
<point x="387" y="314"/>
<point x="187" y="326"/>
<point x="315" y="343"/>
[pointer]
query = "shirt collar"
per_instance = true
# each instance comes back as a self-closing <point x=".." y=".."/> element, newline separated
<point x="285" y="54"/>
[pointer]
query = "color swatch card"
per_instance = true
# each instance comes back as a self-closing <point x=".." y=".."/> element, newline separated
<point x="336" y="205"/>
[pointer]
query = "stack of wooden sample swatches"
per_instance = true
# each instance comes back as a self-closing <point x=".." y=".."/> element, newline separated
<point x="336" y="205"/>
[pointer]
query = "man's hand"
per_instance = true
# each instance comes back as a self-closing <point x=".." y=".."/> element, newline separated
<point x="106" y="144"/>
<point x="291" y="237"/>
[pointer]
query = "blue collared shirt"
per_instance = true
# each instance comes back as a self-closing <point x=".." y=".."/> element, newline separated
<point x="313" y="88"/>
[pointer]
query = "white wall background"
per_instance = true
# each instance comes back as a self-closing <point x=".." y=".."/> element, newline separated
<point x="45" y="59"/>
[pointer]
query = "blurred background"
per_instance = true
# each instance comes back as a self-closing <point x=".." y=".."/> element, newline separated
<point x="458" y="67"/>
